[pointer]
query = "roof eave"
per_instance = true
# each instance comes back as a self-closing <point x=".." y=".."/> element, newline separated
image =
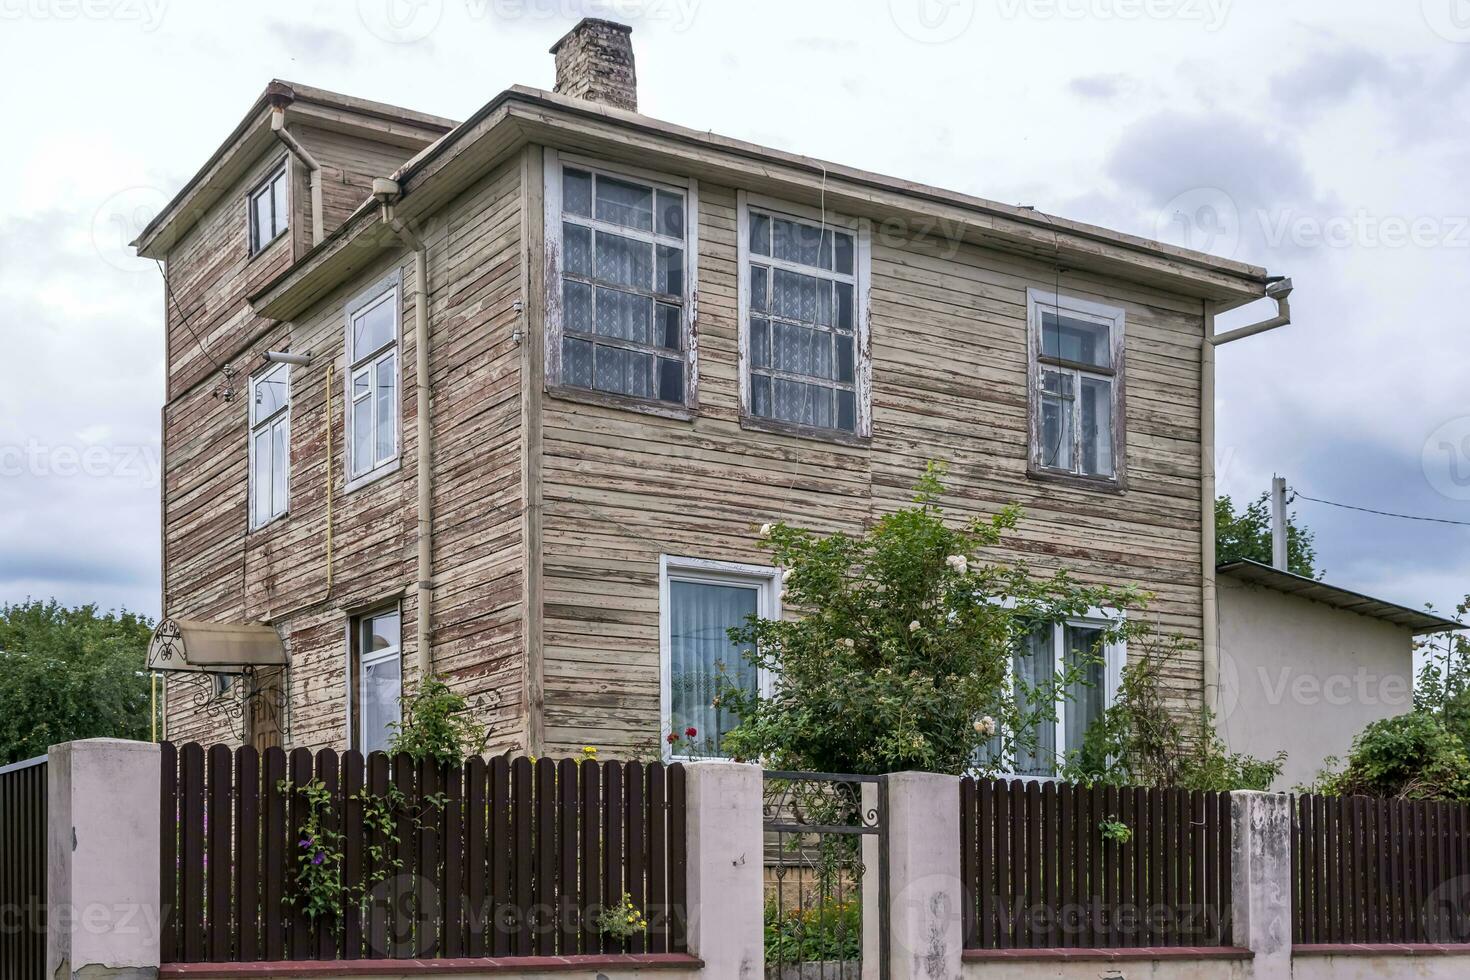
<point x="1416" y="621"/>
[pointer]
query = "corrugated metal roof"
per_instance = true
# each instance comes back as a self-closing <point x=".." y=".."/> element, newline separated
<point x="1415" y="620"/>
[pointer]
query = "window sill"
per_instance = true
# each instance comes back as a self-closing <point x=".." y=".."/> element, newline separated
<point x="757" y="424"/>
<point x="373" y="476"/>
<point x="266" y="525"/>
<point x="283" y="233"/>
<point x="602" y="399"/>
<point x="1099" y="484"/>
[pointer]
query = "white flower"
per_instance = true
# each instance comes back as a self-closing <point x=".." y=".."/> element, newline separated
<point x="766" y="530"/>
<point x="786" y="576"/>
<point x="914" y="626"/>
<point x="959" y="563"/>
<point x="985" y="726"/>
<point x="848" y="642"/>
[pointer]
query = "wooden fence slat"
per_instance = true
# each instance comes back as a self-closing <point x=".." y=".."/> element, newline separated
<point x="969" y="848"/>
<point x="380" y="862"/>
<point x="522" y="875"/>
<point x="1143" y="864"/>
<point x="1004" y="879"/>
<point x="1125" y="922"/>
<point x="428" y="882"/>
<point x="247" y="853"/>
<point x="453" y="848"/>
<point x="612" y="844"/>
<point x="354" y="784"/>
<point x="168" y="852"/>
<point x="658" y="858"/>
<point x="1050" y="865"/>
<point x="275" y="852"/>
<point x="1035" y="894"/>
<point x="402" y="894"/>
<point x="328" y="773"/>
<point x="301" y="939"/>
<point x="191" y="844"/>
<point x="569" y="915"/>
<point x="635" y="861"/>
<point x="678" y="860"/>
<point x="477" y="872"/>
<point x="1226" y="892"/>
<point x="1068" y="830"/>
<point x="1096" y="904"/>
<point x="544" y="858"/>
<point x="980" y="876"/>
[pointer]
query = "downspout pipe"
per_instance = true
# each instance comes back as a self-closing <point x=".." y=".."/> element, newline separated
<point x="387" y="192"/>
<point x="1279" y="291"/>
<point x="313" y="169"/>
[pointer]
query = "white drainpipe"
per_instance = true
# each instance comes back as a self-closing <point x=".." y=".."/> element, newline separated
<point x="1210" y="644"/>
<point x="313" y="169"/>
<point x="387" y="191"/>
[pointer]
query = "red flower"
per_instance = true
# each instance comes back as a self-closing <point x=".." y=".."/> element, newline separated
<point x="672" y="738"/>
<point x="691" y="732"/>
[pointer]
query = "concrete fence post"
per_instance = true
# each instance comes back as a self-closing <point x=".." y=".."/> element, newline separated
<point x="726" y="869"/>
<point x="102" y="860"/>
<point x="1260" y="879"/>
<point x="926" y="896"/>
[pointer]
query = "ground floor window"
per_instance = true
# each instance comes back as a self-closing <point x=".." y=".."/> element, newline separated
<point x="1078" y="646"/>
<point x="375" y="678"/>
<point x="699" y="602"/>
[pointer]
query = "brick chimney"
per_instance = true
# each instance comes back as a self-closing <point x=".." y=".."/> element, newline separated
<point x="594" y="61"/>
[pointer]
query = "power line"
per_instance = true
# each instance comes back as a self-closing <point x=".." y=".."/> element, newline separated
<point x="1381" y="513"/>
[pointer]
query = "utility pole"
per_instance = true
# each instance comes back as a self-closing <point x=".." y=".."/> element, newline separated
<point x="1278" y="522"/>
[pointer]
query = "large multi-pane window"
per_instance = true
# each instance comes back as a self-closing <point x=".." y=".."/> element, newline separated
<point x="375" y="678"/>
<point x="700" y="602"/>
<point x="270" y="210"/>
<point x="1077" y="353"/>
<point x="270" y="445"/>
<point x="622" y="252"/>
<point x="803" y="309"/>
<point x="372" y="381"/>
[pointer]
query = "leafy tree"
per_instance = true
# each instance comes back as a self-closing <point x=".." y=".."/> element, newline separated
<point x="900" y="657"/>
<point x="1247" y="534"/>
<point x="68" y="674"/>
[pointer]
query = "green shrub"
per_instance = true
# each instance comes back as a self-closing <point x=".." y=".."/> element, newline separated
<point x="830" y="929"/>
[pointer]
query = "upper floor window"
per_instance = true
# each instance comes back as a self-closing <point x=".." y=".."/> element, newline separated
<point x="699" y="602"/>
<point x="269" y="210"/>
<point x="270" y="444"/>
<point x="803" y="311"/>
<point x="620" y="259"/>
<point x="1076" y="387"/>
<point x="372" y="381"/>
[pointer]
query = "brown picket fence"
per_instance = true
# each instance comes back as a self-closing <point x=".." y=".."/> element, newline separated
<point x="498" y="857"/>
<point x="23" y="799"/>
<point x="1041" y="871"/>
<point x="1368" y="870"/>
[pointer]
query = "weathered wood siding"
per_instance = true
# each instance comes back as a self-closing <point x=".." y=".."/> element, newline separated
<point x="349" y="164"/>
<point x="949" y="382"/>
<point x="216" y="569"/>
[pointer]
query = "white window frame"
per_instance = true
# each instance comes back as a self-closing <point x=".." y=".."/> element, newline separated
<point x="388" y="289"/>
<point x="766" y="579"/>
<point x="861" y="279"/>
<point x="357" y="663"/>
<point x="554" y="162"/>
<point x="279" y="422"/>
<point x="1115" y="659"/>
<point x="1039" y="301"/>
<point x="265" y="190"/>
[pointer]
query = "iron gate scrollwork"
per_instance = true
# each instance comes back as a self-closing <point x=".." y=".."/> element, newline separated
<point x="823" y="834"/>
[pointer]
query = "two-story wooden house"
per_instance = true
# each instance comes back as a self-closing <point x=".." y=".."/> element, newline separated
<point x="506" y="400"/>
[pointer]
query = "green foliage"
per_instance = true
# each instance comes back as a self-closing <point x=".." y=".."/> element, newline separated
<point x="438" y="724"/>
<point x="1247" y="534"/>
<point x="622" y="921"/>
<point x="1115" y="830"/>
<point x="1141" y="741"/>
<point x="830" y="929"/>
<point x="900" y="657"/>
<point x="70" y="674"/>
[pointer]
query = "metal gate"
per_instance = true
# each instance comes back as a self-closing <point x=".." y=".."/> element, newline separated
<point x="23" y="870"/>
<point x="826" y="851"/>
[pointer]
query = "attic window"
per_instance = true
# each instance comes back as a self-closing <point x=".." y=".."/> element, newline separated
<point x="269" y="209"/>
<point x="620" y="252"/>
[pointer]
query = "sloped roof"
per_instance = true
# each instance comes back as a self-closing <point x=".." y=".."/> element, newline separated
<point x="1417" y="621"/>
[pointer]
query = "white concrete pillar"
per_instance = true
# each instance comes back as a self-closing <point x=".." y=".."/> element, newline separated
<point x="1260" y="879"/>
<point x="926" y="896"/>
<point x="102" y="860"/>
<point x="726" y="869"/>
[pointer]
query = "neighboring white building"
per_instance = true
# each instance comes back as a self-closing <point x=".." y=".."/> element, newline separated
<point x="1304" y="665"/>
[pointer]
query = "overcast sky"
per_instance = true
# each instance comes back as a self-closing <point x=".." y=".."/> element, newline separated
<point x="1324" y="139"/>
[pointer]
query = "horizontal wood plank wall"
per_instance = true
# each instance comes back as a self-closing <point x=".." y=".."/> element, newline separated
<point x="949" y="383"/>
<point x="349" y="164"/>
<point x="278" y="574"/>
